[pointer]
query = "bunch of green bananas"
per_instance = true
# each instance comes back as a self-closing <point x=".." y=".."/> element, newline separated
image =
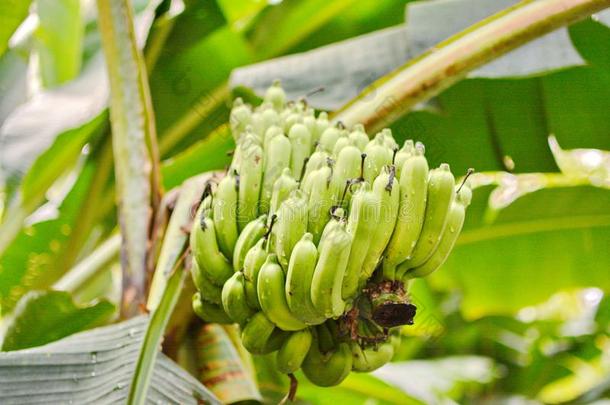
<point x="310" y="238"/>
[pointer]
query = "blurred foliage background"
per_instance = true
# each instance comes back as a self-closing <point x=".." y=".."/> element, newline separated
<point x="519" y="314"/>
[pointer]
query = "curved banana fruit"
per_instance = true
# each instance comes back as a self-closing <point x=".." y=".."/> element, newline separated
<point x="254" y="260"/>
<point x="271" y="133"/>
<point x="240" y="118"/>
<point x="455" y="221"/>
<point x="293" y="351"/>
<point x="209" y="312"/>
<point x="206" y="288"/>
<point x="277" y="158"/>
<point x="387" y="190"/>
<point x="329" y="137"/>
<point x="378" y="155"/>
<point x="321" y="125"/>
<point x="300" y="141"/>
<point x="290" y="226"/>
<point x="320" y="202"/>
<point x="440" y="197"/>
<point x="413" y="196"/>
<point x="283" y="186"/>
<point x="327" y="369"/>
<point x="248" y="238"/>
<point x="206" y="252"/>
<point x="317" y="160"/>
<point x="298" y="281"/>
<point x="359" y="137"/>
<point x="347" y="168"/>
<point x="270" y="288"/>
<point x="250" y="179"/>
<point x="369" y="359"/>
<point x="256" y="334"/>
<point x="404" y="153"/>
<point x="224" y="212"/>
<point x="234" y="299"/>
<point x="329" y="272"/>
<point x="275" y="95"/>
<point x="362" y="222"/>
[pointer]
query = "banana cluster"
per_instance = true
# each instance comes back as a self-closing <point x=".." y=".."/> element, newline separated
<point x="309" y="239"/>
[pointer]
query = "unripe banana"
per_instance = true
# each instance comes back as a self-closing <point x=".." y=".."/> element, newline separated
<point x="293" y="351"/>
<point x="254" y="260"/>
<point x="341" y="143"/>
<point x="207" y="289"/>
<point x="234" y="299"/>
<point x="440" y="197"/>
<point x="300" y="141"/>
<point x="209" y="312"/>
<point x="330" y="136"/>
<point x="362" y="222"/>
<point x="269" y="118"/>
<point x="224" y="211"/>
<point x="248" y="238"/>
<point x="284" y="185"/>
<point x="292" y="119"/>
<point x="271" y="295"/>
<point x="378" y="155"/>
<point x="277" y="158"/>
<point x="290" y="226"/>
<point x="347" y="168"/>
<point x="452" y="230"/>
<point x="270" y="133"/>
<point x="298" y="281"/>
<point x="329" y="273"/>
<point x="317" y="160"/>
<point x="240" y="118"/>
<point x="250" y="179"/>
<point x="309" y="120"/>
<point x="369" y="359"/>
<point x="327" y="340"/>
<point x="337" y="220"/>
<point x="387" y="190"/>
<point x="276" y="96"/>
<point x="327" y="369"/>
<point x="388" y="139"/>
<point x="413" y="195"/>
<point x="320" y="202"/>
<point x="359" y="137"/>
<point x="206" y="252"/>
<point x="321" y="125"/>
<point x="407" y="150"/>
<point x="256" y="334"/>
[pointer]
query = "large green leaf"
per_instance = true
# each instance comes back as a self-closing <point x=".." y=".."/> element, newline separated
<point x="45" y="316"/>
<point x="59" y="40"/>
<point x="12" y="13"/>
<point x="93" y="366"/>
<point x="555" y="238"/>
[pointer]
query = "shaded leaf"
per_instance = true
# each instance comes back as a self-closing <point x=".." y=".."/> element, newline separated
<point x="45" y="316"/>
<point x="12" y="13"/>
<point x="93" y="366"/>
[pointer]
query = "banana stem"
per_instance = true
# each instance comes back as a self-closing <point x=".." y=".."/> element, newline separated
<point x="390" y="304"/>
<point x="450" y="61"/>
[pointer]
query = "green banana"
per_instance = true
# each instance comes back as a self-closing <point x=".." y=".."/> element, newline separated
<point x="234" y="299"/>
<point x="270" y="288"/>
<point x="362" y="222"/>
<point x="320" y="202"/>
<point x="413" y="195"/>
<point x="248" y="238"/>
<point x="298" y="281"/>
<point x="224" y="212"/>
<point x="455" y="221"/>
<point x="239" y="118"/>
<point x="257" y="333"/>
<point x="271" y="133"/>
<point x="378" y="155"/>
<point x="440" y="197"/>
<point x="330" y="136"/>
<point x="369" y="359"/>
<point x="293" y="351"/>
<point x="321" y="125"/>
<point x="317" y="160"/>
<point x="300" y="141"/>
<point x="327" y="340"/>
<point x="329" y="273"/>
<point x="290" y="226"/>
<point x="276" y="96"/>
<point x="341" y="143"/>
<point x="207" y="289"/>
<point x="337" y="219"/>
<point x="250" y="178"/>
<point x="277" y="158"/>
<point x="347" y="168"/>
<point x="269" y="118"/>
<point x="404" y="153"/>
<point x="388" y="139"/>
<point x="387" y="190"/>
<point x="206" y="252"/>
<point x="327" y="369"/>
<point x="209" y="312"/>
<point x="359" y="137"/>
<point x="283" y="186"/>
<point x="254" y="260"/>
